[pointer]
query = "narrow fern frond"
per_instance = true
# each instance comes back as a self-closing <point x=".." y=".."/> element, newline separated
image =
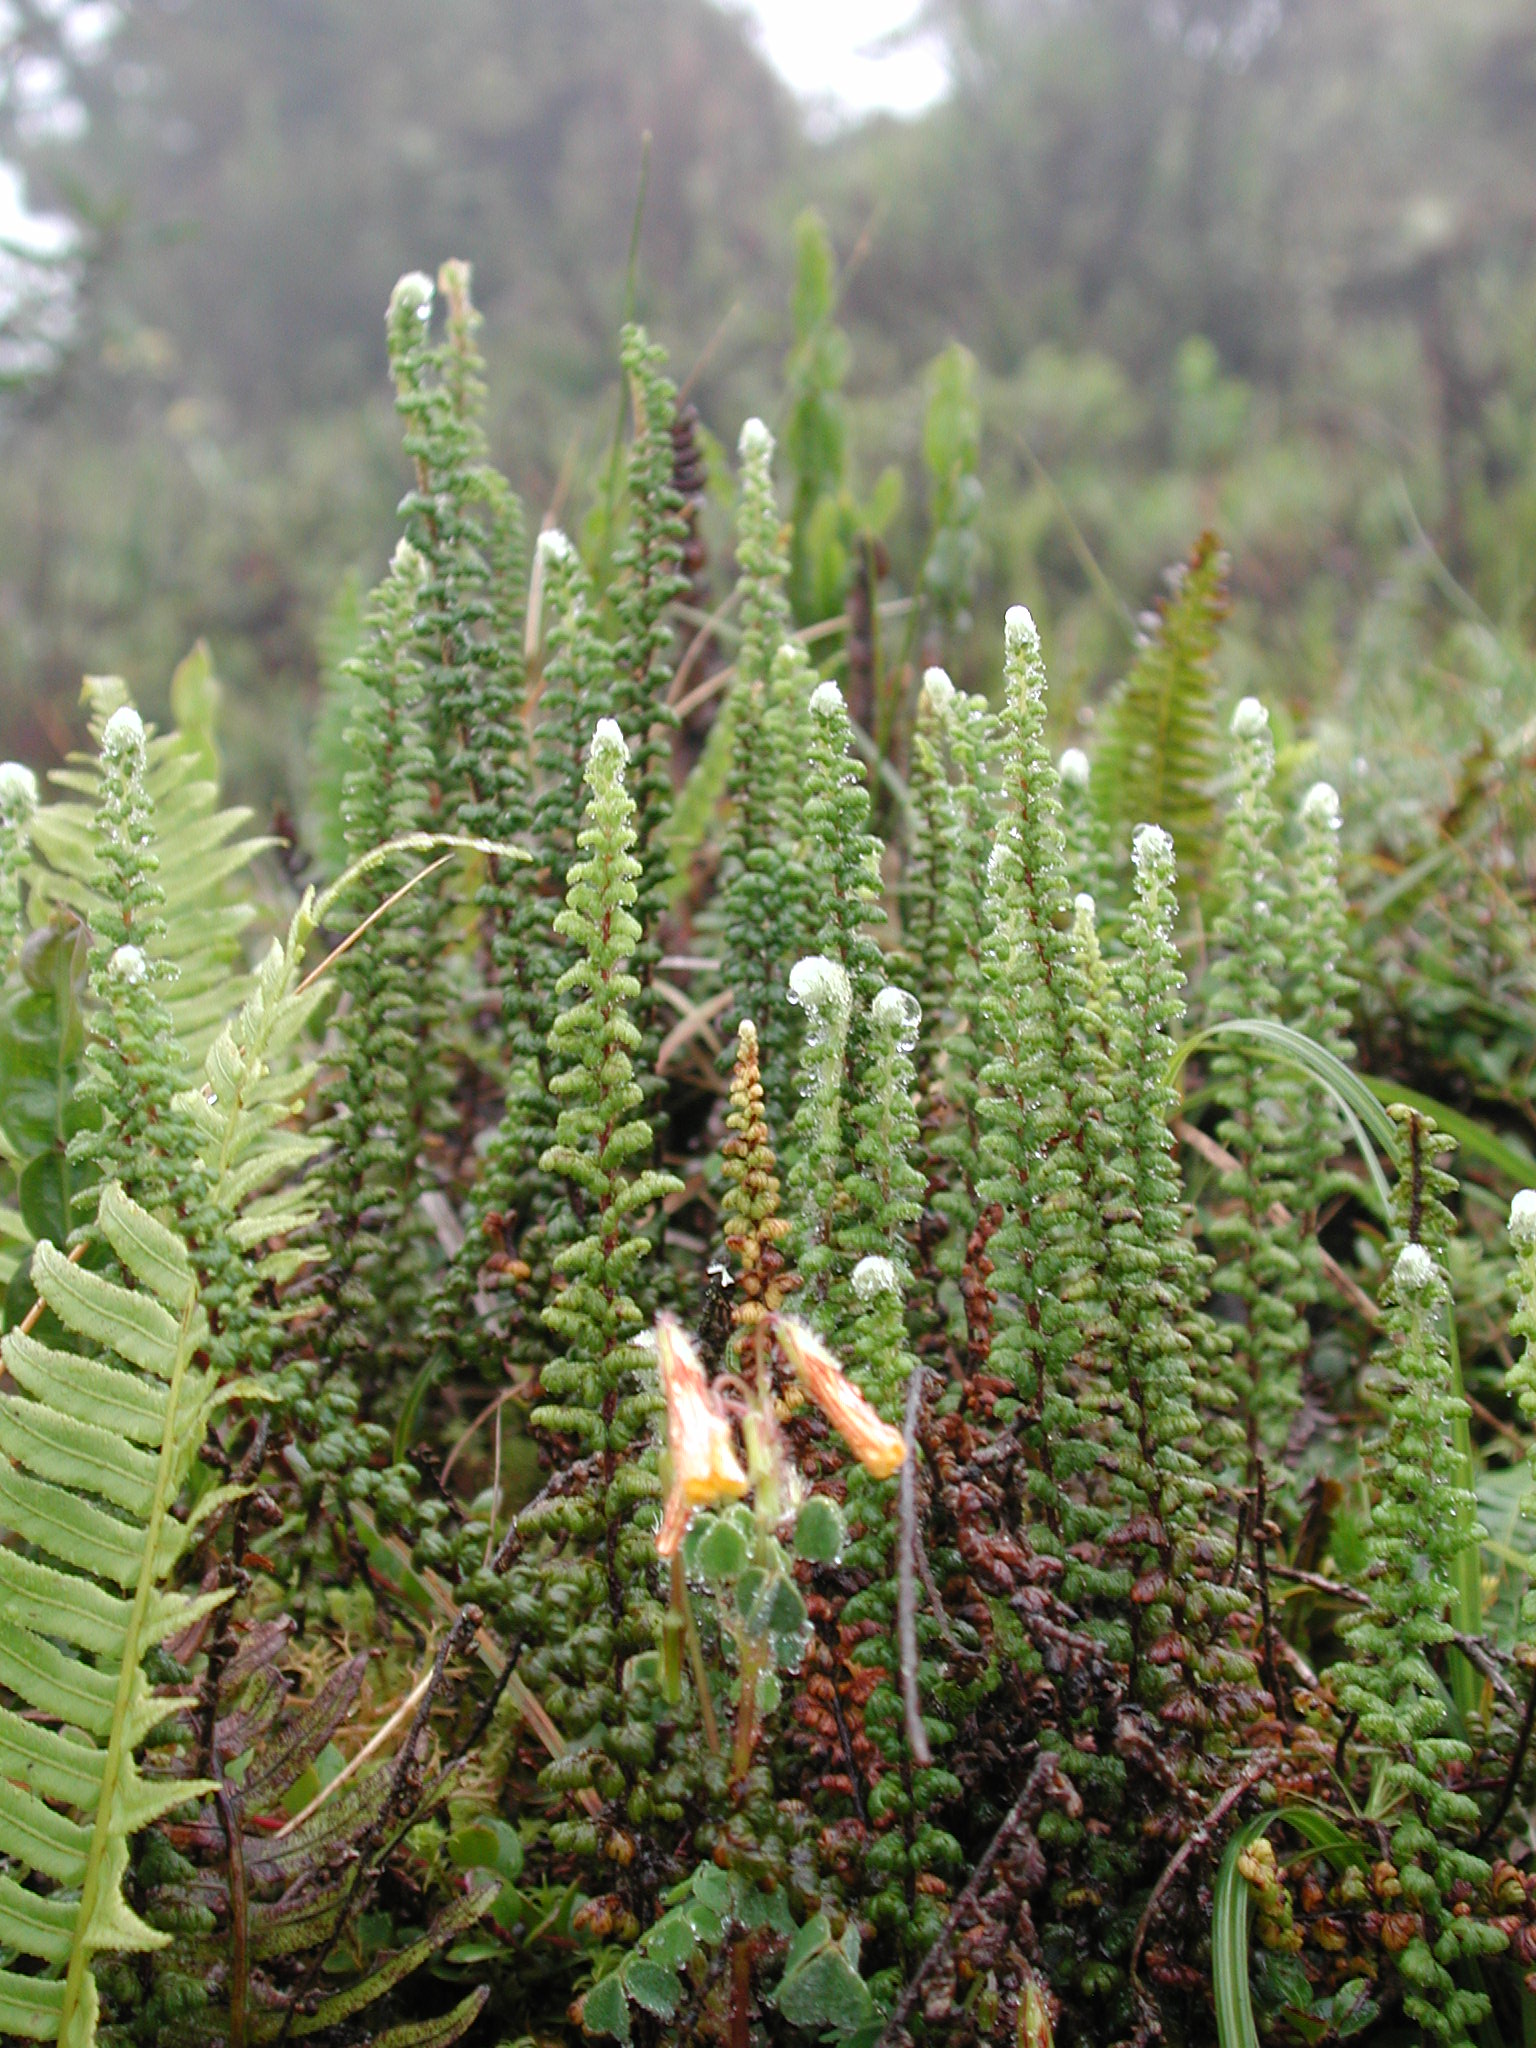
<point x="252" y="1078"/>
<point x="1157" y="756"/>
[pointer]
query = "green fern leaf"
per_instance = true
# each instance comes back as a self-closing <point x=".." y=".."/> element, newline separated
<point x="1156" y="762"/>
<point x="100" y="1438"/>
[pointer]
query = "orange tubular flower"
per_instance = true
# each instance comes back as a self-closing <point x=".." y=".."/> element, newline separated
<point x="878" y="1447"/>
<point x="705" y="1468"/>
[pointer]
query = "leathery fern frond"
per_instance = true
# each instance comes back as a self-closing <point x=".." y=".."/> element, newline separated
<point x="99" y="1440"/>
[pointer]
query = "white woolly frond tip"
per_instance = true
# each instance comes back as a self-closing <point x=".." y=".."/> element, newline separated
<point x="1085" y="906"/>
<point x="817" y="983"/>
<point x="1020" y="635"/>
<point x="128" y="964"/>
<point x="1320" y="806"/>
<point x="1249" y="719"/>
<point x="756" y="442"/>
<point x="938" y="689"/>
<point x="825" y="699"/>
<point x="554" y="546"/>
<point x="1415" y="1269"/>
<point x="1152" y="850"/>
<point x="413" y="293"/>
<point x="1522" y="1219"/>
<point x="607" y="739"/>
<point x="18" y="790"/>
<point x="874" y="1275"/>
<point x="123" y="732"/>
<point x="1073" y="768"/>
<point x="997" y="862"/>
<point x="895" y="1010"/>
<point x="406" y="560"/>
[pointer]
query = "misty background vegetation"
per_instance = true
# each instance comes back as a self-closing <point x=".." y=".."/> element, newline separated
<point x="1258" y="265"/>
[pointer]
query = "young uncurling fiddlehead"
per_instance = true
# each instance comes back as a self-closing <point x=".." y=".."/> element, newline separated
<point x="929" y="940"/>
<point x="1155" y="1283"/>
<point x="955" y="1145"/>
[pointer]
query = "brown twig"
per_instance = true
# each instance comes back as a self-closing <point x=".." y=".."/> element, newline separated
<point x="1476" y="1653"/>
<point x="1516" y="1764"/>
<point x="1261" y="1532"/>
<point x="336" y="952"/>
<point x="807" y="636"/>
<point x="1217" y="1155"/>
<point x="963" y="1904"/>
<point x="1193" y="1843"/>
<point x="701" y="361"/>
<point x="1319" y="1584"/>
<point x="492" y="1407"/>
<point x="239" y="1959"/>
<point x="693" y="653"/>
<point x="906" y="1578"/>
<point x="845" y="1739"/>
<point x="925" y="1573"/>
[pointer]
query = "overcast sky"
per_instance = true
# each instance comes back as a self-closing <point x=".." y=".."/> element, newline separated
<point x="828" y="50"/>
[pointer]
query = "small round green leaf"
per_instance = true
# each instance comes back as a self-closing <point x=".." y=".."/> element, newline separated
<point x="605" y="2010"/>
<point x="819" y="1531"/>
<point x="722" y="1553"/>
<point x="652" y="1986"/>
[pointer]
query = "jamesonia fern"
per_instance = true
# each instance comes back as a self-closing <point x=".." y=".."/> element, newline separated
<point x="635" y="1432"/>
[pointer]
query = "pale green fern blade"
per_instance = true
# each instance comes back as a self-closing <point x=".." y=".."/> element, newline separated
<point x="54" y="1603"/>
<point x="51" y="1683"/>
<point x="96" y="1511"/>
<point x="49" y="1762"/>
<point x="32" y="2008"/>
<point x="154" y="1254"/>
<point x="133" y="1325"/>
<point x="35" y="1926"/>
<point x="125" y="1406"/>
<point x="39" y="1837"/>
<point x="61" y="1448"/>
<point x="72" y="1529"/>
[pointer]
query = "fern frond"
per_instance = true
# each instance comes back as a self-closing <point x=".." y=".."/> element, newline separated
<point x="196" y="849"/>
<point x="1156" y="762"/>
<point x="99" y="1440"/>
<point x="252" y="1078"/>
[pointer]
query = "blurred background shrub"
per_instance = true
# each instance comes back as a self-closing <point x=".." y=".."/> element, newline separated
<point x="1266" y="266"/>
